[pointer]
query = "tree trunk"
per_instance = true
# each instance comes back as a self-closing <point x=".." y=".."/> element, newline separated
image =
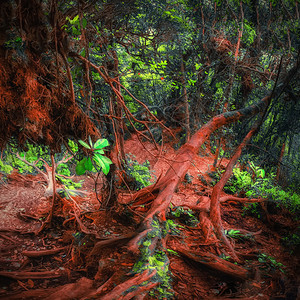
<point x="186" y="102"/>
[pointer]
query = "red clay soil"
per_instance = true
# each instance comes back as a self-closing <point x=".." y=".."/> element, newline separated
<point x="59" y="263"/>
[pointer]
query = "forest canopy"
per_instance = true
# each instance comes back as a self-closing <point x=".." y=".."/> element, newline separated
<point x="73" y="69"/>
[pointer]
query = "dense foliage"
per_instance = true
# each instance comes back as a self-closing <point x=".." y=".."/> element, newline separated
<point x="185" y="60"/>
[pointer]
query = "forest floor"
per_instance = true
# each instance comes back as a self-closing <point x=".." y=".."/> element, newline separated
<point x="57" y="263"/>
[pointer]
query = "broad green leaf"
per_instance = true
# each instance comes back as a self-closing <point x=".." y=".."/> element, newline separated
<point x="88" y="164"/>
<point x="101" y="143"/>
<point x="104" y="162"/>
<point x="80" y="168"/>
<point x="99" y="151"/>
<point x="101" y="164"/>
<point x="84" y="144"/>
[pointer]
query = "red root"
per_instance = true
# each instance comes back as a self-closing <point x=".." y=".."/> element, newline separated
<point x="216" y="263"/>
<point x="43" y="252"/>
<point x="34" y="275"/>
<point x="122" y="290"/>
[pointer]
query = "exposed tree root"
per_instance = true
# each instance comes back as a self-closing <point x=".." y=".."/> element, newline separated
<point x="99" y="245"/>
<point x="166" y="186"/>
<point x="216" y="263"/>
<point x="150" y="238"/>
<point x="34" y="275"/>
<point x="132" y="287"/>
<point x="70" y="291"/>
<point x="128" y="289"/>
<point x="43" y="252"/>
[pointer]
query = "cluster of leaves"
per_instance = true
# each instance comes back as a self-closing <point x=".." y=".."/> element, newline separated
<point x="5" y="168"/>
<point x="39" y="155"/>
<point x="140" y="174"/>
<point x="69" y="184"/>
<point x="33" y="153"/>
<point x="236" y="234"/>
<point x="75" y="25"/>
<point x="242" y="180"/>
<point x="16" y="43"/>
<point x="265" y="188"/>
<point x="254" y="183"/>
<point x="96" y="151"/>
<point x="292" y="241"/>
<point x="185" y="216"/>
<point x="269" y="263"/>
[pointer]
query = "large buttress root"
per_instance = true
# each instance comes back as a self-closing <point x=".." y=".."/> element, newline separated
<point x="162" y="192"/>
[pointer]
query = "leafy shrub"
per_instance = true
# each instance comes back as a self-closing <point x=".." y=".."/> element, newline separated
<point x="33" y="153"/>
<point x="7" y="169"/>
<point x="265" y="188"/>
<point x="255" y="184"/>
<point x="140" y="174"/>
<point x="240" y="181"/>
<point x="269" y="263"/>
<point x="253" y="209"/>
<point x="292" y="240"/>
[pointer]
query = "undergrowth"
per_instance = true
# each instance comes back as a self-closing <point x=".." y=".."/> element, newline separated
<point x="140" y="174"/>
<point x="254" y="183"/>
<point x="157" y="259"/>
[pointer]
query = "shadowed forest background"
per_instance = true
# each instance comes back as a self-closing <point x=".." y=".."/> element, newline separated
<point x="149" y="149"/>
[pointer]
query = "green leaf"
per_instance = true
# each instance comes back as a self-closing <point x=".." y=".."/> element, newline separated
<point x="74" y="21"/>
<point x="105" y="159"/>
<point x="101" y="143"/>
<point x="100" y="151"/>
<point x="84" y="23"/>
<point x="104" y="162"/>
<point x="88" y="164"/>
<point x="84" y="144"/>
<point x="80" y="168"/>
<point x="75" y="31"/>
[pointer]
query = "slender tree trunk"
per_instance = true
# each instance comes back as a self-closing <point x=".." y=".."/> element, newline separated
<point x="118" y="111"/>
<point x="186" y="102"/>
<point x="280" y="161"/>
